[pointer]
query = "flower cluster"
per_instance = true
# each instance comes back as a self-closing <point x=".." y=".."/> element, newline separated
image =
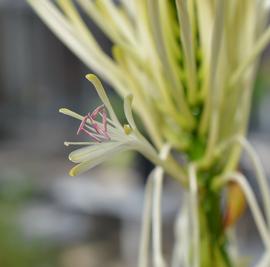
<point x="190" y="65"/>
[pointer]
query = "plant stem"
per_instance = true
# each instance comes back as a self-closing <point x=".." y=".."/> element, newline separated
<point x="213" y="247"/>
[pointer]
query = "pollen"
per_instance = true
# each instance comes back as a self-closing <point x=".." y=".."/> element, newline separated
<point x="127" y="129"/>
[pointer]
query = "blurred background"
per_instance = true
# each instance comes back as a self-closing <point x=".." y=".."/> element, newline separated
<point x="48" y="219"/>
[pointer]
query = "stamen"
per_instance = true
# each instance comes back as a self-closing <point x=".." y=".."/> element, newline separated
<point x="91" y="135"/>
<point x="127" y="129"/>
<point x="97" y="111"/>
<point x="104" y="120"/>
<point x="101" y="130"/>
<point x="82" y="124"/>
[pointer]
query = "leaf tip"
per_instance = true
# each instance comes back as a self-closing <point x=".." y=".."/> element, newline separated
<point x="91" y="77"/>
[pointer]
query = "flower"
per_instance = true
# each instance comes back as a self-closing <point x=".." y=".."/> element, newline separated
<point x="190" y="65"/>
<point x="109" y="137"/>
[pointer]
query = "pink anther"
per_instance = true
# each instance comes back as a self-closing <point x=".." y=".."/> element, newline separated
<point x="83" y="122"/>
<point x="100" y="129"/>
<point x="91" y="135"/>
<point x="95" y="113"/>
<point x="81" y="128"/>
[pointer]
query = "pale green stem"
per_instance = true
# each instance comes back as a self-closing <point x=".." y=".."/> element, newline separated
<point x="147" y="42"/>
<point x="163" y="51"/>
<point x="193" y="188"/>
<point x="94" y="13"/>
<point x="158" y="259"/>
<point x="76" y="21"/>
<point x="166" y="41"/>
<point x="210" y="118"/>
<point x="264" y="261"/>
<point x="259" y="46"/>
<point x="180" y="255"/>
<point x="215" y="90"/>
<point x="233" y="245"/>
<point x="170" y="165"/>
<point x="173" y="52"/>
<point x="189" y="47"/>
<point x="146" y="225"/>
<point x="122" y="23"/>
<point x="242" y="128"/>
<point x="187" y="230"/>
<point x="261" y="177"/>
<point x="152" y="209"/>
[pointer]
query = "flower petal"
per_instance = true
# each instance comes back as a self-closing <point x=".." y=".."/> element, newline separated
<point x="71" y="113"/>
<point x="103" y="96"/>
<point x="94" y="161"/>
<point x="89" y="152"/>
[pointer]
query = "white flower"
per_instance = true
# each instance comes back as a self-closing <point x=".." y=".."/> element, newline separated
<point x="190" y="65"/>
<point x="109" y="137"/>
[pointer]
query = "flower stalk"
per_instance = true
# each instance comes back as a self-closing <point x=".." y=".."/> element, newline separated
<point x="189" y="67"/>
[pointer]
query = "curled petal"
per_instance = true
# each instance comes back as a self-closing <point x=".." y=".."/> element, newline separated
<point x="96" y="158"/>
<point x="71" y="113"/>
<point x="103" y="96"/>
<point x="95" y="151"/>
